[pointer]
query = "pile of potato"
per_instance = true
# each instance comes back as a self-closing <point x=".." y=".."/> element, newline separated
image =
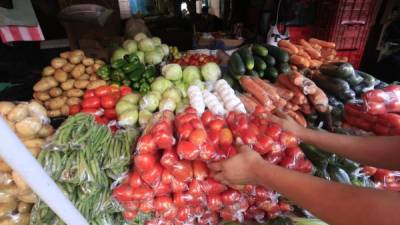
<point x="31" y="124"/>
<point x="65" y="81"/>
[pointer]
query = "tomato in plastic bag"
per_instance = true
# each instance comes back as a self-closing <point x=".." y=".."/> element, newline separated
<point x="184" y="214"/>
<point x="253" y="212"/>
<point x="211" y="186"/>
<point x="182" y="171"/>
<point x="225" y="137"/>
<point x="206" y="117"/>
<point x="178" y="186"/>
<point x="142" y="193"/>
<point x="230" y="151"/>
<point x="295" y="152"/>
<point x="162" y="189"/>
<point x="164" y="139"/>
<point x="123" y="193"/>
<point x="304" y="166"/>
<point x="153" y="176"/>
<point x="216" y="124"/>
<point x="187" y="150"/>
<point x="182" y="199"/>
<point x="184" y="131"/>
<point x="288" y="140"/>
<point x="231" y="215"/>
<point x="208" y="218"/>
<point x="163" y="204"/>
<point x="162" y="125"/>
<point x="166" y="177"/>
<point x="131" y="205"/>
<point x="184" y="118"/>
<point x="285" y="207"/>
<point x="213" y="137"/>
<point x="375" y="96"/>
<point x="264" y="144"/>
<point x="273" y="131"/>
<point x="375" y="108"/>
<point x="274" y="158"/>
<point x="147" y="205"/>
<point x="169" y="158"/>
<point x="134" y="180"/>
<point x="195" y="188"/>
<point x="230" y="196"/>
<point x="199" y="200"/>
<point x="207" y="152"/>
<point x="214" y="202"/>
<point x="288" y="162"/>
<point x="146" y="144"/>
<point x="198" y="210"/>
<point x="144" y="162"/>
<point x="200" y="170"/>
<point x="129" y="215"/>
<point x="249" y="136"/>
<point x="196" y="124"/>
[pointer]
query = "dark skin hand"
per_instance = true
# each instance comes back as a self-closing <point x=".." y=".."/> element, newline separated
<point x="335" y="203"/>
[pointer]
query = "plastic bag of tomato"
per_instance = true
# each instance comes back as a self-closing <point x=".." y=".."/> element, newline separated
<point x="197" y="59"/>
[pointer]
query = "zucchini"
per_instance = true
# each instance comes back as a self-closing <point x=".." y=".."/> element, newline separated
<point x="337" y="70"/>
<point x="368" y="78"/>
<point x="348" y="165"/>
<point x="259" y="64"/>
<point x="236" y="65"/>
<point x="269" y="60"/>
<point x="247" y="56"/>
<point x="279" y="54"/>
<point x="271" y="73"/>
<point x="338" y="174"/>
<point x="335" y="86"/>
<point x="284" y="68"/>
<point x="260" y="50"/>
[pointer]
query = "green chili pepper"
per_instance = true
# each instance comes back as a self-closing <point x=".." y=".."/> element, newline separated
<point x="118" y="63"/>
<point x="133" y="76"/>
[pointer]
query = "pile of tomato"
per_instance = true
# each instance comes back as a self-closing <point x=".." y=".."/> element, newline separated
<point x="195" y="59"/>
<point x="101" y="102"/>
<point x="171" y="179"/>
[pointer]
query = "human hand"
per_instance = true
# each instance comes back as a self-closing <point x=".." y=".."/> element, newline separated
<point x="240" y="169"/>
<point x="286" y="122"/>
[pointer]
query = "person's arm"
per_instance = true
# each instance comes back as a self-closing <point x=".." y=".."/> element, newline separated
<point x="379" y="151"/>
<point x="335" y="203"/>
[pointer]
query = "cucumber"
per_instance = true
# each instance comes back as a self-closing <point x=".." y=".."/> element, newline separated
<point x="271" y="73"/>
<point x="279" y="54"/>
<point x="338" y="70"/>
<point x="247" y="56"/>
<point x="261" y="73"/>
<point x="335" y="86"/>
<point x="368" y="78"/>
<point x="236" y="65"/>
<point x="338" y="174"/>
<point x="252" y="73"/>
<point x="259" y="64"/>
<point x="284" y="68"/>
<point x="260" y="50"/>
<point x="269" y="60"/>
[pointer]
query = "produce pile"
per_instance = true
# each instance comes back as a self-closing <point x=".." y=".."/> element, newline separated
<point x="196" y="59"/>
<point x="64" y="81"/>
<point x="84" y="158"/>
<point x="30" y="123"/>
<point x="170" y="177"/>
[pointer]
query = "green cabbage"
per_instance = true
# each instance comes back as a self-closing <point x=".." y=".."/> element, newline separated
<point x="128" y="118"/>
<point x="119" y="54"/>
<point x="149" y="102"/>
<point x="172" y="71"/>
<point x="123" y="106"/>
<point x="172" y="93"/>
<point x="130" y="46"/>
<point x="153" y="57"/>
<point x="191" y="73"/>
<point x="211" y="72"/>
<point x="167" y="104"/>
<point x="160" y="84"/>
<point x="146" y="45"/>
<point x="132" y="98"/>
<point x="156" y="40"/>
<point x="165" y="49"/>
<point x="140" y="36"/>
<point x="144" y="117"/>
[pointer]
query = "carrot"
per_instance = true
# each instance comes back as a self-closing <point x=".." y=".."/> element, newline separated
<point x="325" y="52"/>
<point x="306" y="109"/>
<point x="320" y="101"/>
<point x="325" y="44"/>
<point x="304" y="54"/>
<point x="300" y="61"/>
<point x="313" y="53"/>
<point x="248" y="103"/>
<point x="273" y="95"/>
<point x="254" y="89"/>
<point x="306" y="85"/>
<point x="316" y="46"/>
<point x="298" y="98"/>
<point x="315" y="63"/>
<point x="304" y="43"/>
<point x="298" y="118"/>
<point x="287" y="44"/>
<point x="289" y="50"/>
<point x="283" y="92"/>
<point x="281" y="103"/>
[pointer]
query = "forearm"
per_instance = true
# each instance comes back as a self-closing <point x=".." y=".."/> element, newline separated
<point x="335" y="203"/>
<point x="383" y="152"/>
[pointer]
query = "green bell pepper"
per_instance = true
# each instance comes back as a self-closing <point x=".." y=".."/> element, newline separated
<point x="126" y="82"/>
<point x="136" y="86"/>
<point x="132" y="58"/>
<point x="117" y="75"/>
<point x="150" y="72"/>
<point x="104" y="72"/>
<point x="118" y="63"/>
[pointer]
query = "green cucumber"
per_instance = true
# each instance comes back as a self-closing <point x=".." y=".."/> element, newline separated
<point x="236" y="65"/>
<point x="271" y="73"/>
<point x="338" y="174"/>
<point x="279" y="54"/>
<point x="337" y="70"/>
<point x="368" y="78"/>
<point x="260" y="50"/>
<point x="269" y="60"/>
<point x="259" y="64"/>
<point x="251" y="73"/>
<point x="261" y="73"/>
<point x="284" y="68"/>
<point x="247" y="56"/>
<point x="335" y="86"/>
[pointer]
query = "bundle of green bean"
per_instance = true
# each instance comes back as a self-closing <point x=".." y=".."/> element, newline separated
<point x="85" y="158"/>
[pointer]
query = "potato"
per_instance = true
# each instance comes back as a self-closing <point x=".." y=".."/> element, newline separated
<point x="18" y="113"/>
<point x="56" y="103"/>
<point x="54" y="113"/>
<point x="73" y="101"/>
<point x="99" y="61"/>
<point x="7" y="208"/>
<point x="84" y="77"/>
<point x="78" y="71"/>
<point x="34" y="143"/>
<point x="60" y="75"/>
<point x="6" y="107"/>
<point x="24" y="207"/>
<point x="75" y="59"/>
<point x="75" y="93"/>
<point x="29" y="198"/>
<point x="68" y="67"/>
<point x="46" y="104"/>
<point x="88" y="61"/>
<point x="28" y="127"/>
<point x="57" y="63"/>
<point x="93" y="77"/>
<point x="5" y="179"/>
<point x="68" y="85"/>
<point x="95" y="84"/>
<point x="77" y="52"/>
<point x="65" y="55"/>
<point x="46" y="131"/>
<point x="21" y="185"/>
<point x="48" y="71"/>
<point x="4" y="167"/>
<point x="65" y="110"/>
<point x="42" y="86"/>
<point x="55" y="92"/>
<point x="11" y="125"/>
<point x="96" y="67"/>
<point x="41" y="96"/>
<point x="89" y="70"/>
<point x="8" y="193"/>
<point x="81" y="84"/>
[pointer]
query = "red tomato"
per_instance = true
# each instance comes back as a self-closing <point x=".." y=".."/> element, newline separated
<point x="385" y="176"/>
<point x="295" y="152"/>
<point x="304" y="166"/>
<point x="91" y="102"/>
<point x="190" y="110"/>
<point x="116" y="96"/>
<point x="195" y="188"/>
<point x="249" y="136"/>
<point x="253" y="212"/>
<point x="166" y="177"/>
<point x="142" y="193"/>
<point x="376" y="108"/>
<point x="263" y="144"/>
<point x="130" y="205"/>
<point x="164" y="139"/>
<point x="108" y="102"/>
<point x="182" y="199"/>
<point x="200" y="170"/>
<point x="184" y="118"/>
<point x="101" y="120"/>
<point x="129" y="215"/>
<point x="182" y="171"/>
<point x="146" y="144"/>
<point x="88" y="94"/>
<point x="169" y="159"/>
<point x="169" y="216"/>
<point x="225" y="137"/>
<point x="274" y="131"/>
<point x="163" y="203"/>
<point x="153" y="176"/>
<point x="196" y="124"/>
<point x="74" y="109"/>
<point x="211" y="186"/>
<point x="214" y="202"/>
<point x="207" y="152"/>
<point x="288" y="140"/>
<point x="206" y="117"/>
<point x="102" y="91"/>
<point x="162" y="189"/>
<point x="162" y="125"/>
<point x="147" y="206"/>
<point x="228" y="214"/>
<point x="231" y="118"/>
<point x="144" y="162"/>
<point x="184" y="131"/>
<point x="274" y="158"/>
<point x="123" y="193"/>
<point x="369" y="170"/>
<point x="110" y="114"/>
<point x="124" y="90"/>
<point x="187" y="150"/>
<point x="288" y="162"/>
<point x="178" y="186"/>
<point x="217" y="124"/>
<point x="184" y="213"/>
<point x="198" y="136"/>
<point x="134" y="180"/>
<point x="230" y="197"/>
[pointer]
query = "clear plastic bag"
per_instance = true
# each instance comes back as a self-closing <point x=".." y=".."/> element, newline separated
<point x="382" y="100"/>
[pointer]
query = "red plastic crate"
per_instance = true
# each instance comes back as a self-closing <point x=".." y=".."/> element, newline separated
<point x="351" y="37"/>
<point x="297" y="33"/>
<point x="354" y="57"/>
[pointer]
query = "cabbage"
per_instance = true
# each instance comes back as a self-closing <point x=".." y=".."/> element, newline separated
<point x="140" y="36"/>
<point x="172" y="71"/>
<point x="165" y="49"/>
<point x="156" y="93"/>
<point x="199" y="84"/>
<point x="144" y="117"/>
<point x="182" y="87"/>
<point x="181" y="106"/>
<point x="132" y="98"/>
<point x="160" y="50"/>
<point x="128" y="118"/>
<point x="190" y="74"/>
<point x="123" y="106"/>
<point x="119" y="54"/>
<point x="156" y="41"/>
<point x="160" y="84"/>
<point x="167" y="104"/>
<point x="140" y="54"/>
<point x="130" y="46"/>
<point x="172" y="93"/>
<point x="153" y="57"/>
<point x="149" y="102"/>
<point x="211" y="71"/>
<point x="146" y="45"/>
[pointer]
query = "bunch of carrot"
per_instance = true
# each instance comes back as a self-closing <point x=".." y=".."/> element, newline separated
<point x="311" y="53"/>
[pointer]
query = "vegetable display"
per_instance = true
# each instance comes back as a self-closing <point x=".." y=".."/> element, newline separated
<point x="170" y="178"/>
<point x="65" y="80"/>
<point x="196" y="59"/>
<point x="84" y="158"/>
<point x="29" y="121"/>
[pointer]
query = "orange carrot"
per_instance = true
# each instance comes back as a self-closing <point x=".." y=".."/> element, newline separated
<point x="313" y="53"/>
<point x="273" y="95"/>
<point x="304" y="43"/>
<point x="325" y="52"/>
<point x="287" y="44"/>
<point x="300" y="61"/>
<point x="315" y="63"/>
<point x="248" y="103"/>
<point x="304" y="54"/>
<point x="306" y="85"/>
<point x="289" y="50"/>
<point x="298" y="118"/>
<point x="298" y="98"/>
<point x="325" y="44"/>
<point x="320" y="101"/>
<point x="254" y="89"/>
<point x="249" y="96"/>
<point x="283" y="92"/>
<point x="316" y="46"/>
